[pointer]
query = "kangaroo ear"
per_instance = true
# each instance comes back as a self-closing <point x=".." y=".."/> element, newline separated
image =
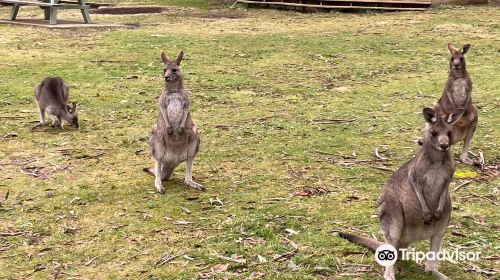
<point x="74" y="106"/>
<point x="465" y="48"/>
<point x="179" y="58"/>
<point x="68" y="108"/>
<point x="429" y="115"/>
<point x="455" y="116"/>
<point x="451" y="48"/>
<point x="164" y="58"/>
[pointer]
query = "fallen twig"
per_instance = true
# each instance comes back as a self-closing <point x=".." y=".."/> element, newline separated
<point x="166" y="259"/>
<point x="378" y="155"/>
<point x="323" y="153"/>
<point x="12" y="117"/>
<point x="286" y="256"/>
<point x="89" y="156"/>
<point x="276" y="199"/>
<point x="383" y="168"/>
<point x="133" y="77"/>
<point x="335" y="121"/>
<point x="78" y="149"/>
<point x="10" y="135"/>
<point x="185" y="210"/>
<point x="108" y="61"/>
<point x="485" y="198"/>
<point x="182" y="223"/>
<point x="226" y="126"/>
<point x="12" y="233"/>
<point x="463" y="184"/>
<point x="90" y="261"/>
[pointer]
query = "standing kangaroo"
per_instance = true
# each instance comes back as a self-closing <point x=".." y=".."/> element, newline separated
<point x="175" y="138"/>
<point x="415" y="203"/>
<point x="52" y="95"/>
<point x="457" y="94"/>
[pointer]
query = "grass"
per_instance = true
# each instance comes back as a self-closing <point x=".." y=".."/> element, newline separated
<point x="260" y="80"/>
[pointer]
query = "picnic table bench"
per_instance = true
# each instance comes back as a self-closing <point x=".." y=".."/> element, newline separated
<point x="50" y="7"/>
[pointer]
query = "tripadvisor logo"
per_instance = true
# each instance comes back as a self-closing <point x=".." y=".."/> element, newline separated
<point x="387" y="255"/>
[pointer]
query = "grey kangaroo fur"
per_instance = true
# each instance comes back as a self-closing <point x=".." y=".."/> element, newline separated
<point x="52" y="95"/>
<point x="458" y="94"/>
<point x="415" y="203"/>
<point x="175" y="137"/>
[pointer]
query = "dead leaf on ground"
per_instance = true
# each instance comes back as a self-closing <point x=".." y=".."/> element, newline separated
<point x="219" y="268"/>
<point x="182" y="223"/>
<point x="261" y="259"/>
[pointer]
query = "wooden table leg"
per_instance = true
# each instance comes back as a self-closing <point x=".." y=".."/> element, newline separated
<point x="14" y="11"/>
<point x="85" y="12"/>
<point x="46" y="13"/>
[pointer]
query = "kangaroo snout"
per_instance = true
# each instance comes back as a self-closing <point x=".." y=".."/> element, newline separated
<point x="444" y="147"/>
<point x="443" y="143"/>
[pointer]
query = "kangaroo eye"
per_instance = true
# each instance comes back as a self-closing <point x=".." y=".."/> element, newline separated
<point x="434" y="134"/>
<point x="174" y="70"/>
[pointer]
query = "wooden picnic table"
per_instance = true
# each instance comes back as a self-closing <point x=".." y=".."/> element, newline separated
<point x="50" y="8"/>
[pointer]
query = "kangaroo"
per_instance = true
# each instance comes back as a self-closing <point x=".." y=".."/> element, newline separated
<point x="175" y="137"/>
<point x="458" y="94"/>
<point x="52" y="95"/>
<point x="415" y="203"/>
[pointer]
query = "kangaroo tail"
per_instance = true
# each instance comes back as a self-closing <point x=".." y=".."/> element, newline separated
<point x="369" y="243"/>
<point x="149" y="170"/>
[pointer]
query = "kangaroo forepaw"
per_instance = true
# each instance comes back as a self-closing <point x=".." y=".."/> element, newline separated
<point x="427" y="217"/>
<point x="438" y="214"/>
<point x="170" y="130"/>
<point x="194" y="185"/>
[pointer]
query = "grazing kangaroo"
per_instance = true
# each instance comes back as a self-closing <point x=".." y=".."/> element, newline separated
<point x="175" y="138"/>
<point x="52" y="95"/>
<point x="415" y="203"/>
<point x="457" y="94"/>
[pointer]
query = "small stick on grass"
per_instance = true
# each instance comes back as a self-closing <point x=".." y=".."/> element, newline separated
<point x="90" y="261"/>
<point x="167" y="257"/>
<point x="335" y="121"/>
<point x="12" y="117"/>
<point x="287" y="255"/>
<point x="485" y="198"/>
<point x="463" y="184"/>
<point x="378" y="155"/>
<point x="12" y="233"/>
<point x="383" y="168"/>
